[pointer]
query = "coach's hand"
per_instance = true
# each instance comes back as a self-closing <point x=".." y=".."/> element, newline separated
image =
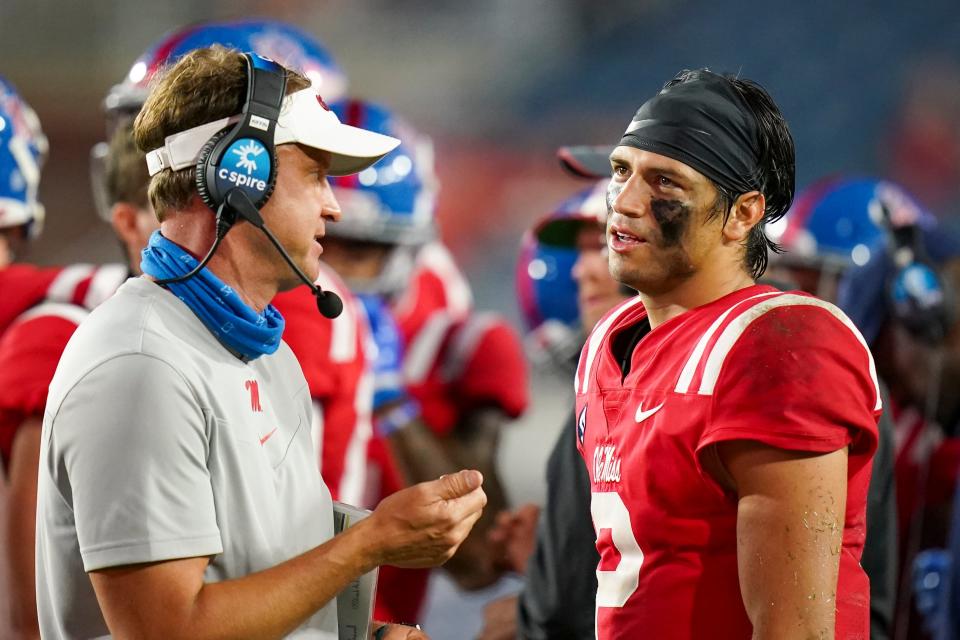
<point x="423" y="525"/>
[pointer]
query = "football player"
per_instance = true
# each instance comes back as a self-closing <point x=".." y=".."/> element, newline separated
<point x="837" y="224"/>
<point x="727" y="427"/>
<point x="30" y="341"/>
<point x="462" y="373"/>
<point x="903" y="299"/>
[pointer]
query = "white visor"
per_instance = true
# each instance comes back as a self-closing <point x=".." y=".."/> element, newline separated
<point x="304" y="119"/>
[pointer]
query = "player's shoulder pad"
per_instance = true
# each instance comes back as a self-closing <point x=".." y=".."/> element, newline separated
<point x="425" y="349"/>
<point x="87" y="285"/>
<point x="483" y="336"/>
<point x="52" y="310"/>
<point x="771" y="319"/>
<point x="435" y="259"/>
<point x="484" y="363"/>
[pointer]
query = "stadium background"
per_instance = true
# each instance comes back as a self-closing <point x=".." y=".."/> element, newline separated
<point x="499" y="84"/>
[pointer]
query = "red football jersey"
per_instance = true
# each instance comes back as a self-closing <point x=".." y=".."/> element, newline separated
<point x="435" y="285"/>
<point x="785" y="369"/>
<point x="29" y="353"/>
<point x="333" y="356"/>
<point x="25" y="285"/>
<point x="39" y="311"/>
<point x="918" y="443"/>
<point x="454" y="366"/>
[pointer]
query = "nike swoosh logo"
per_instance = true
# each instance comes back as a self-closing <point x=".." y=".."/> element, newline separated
<point x="267" y="437"/>
<point x="636" y="125"/>
<point x="643" y="415"/>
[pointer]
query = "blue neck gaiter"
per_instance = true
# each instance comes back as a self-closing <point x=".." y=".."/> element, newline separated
<point x="236" y="325"/>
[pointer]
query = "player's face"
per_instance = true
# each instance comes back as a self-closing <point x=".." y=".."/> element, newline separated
<point x="597" y="291"/>
<point x="660" y="230"/>
<point x="297" y="212"/>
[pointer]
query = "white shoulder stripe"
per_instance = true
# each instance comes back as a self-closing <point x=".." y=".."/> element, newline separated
<point x="425" y="348"/>
<point x="690" y="368"/>
<point x="736" y="328"/>
<point x="464" y="344"/>
<point x="344" y="328"/>
<point x="65" y="284"/>
<point x="459" y="298"/>
<point x="71" y="312"/>
<point x="596" y="339"/>
<point x="106" y="280"/>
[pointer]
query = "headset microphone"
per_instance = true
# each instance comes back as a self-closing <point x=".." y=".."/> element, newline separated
<point x="236" y="203"/>
<point x="329" y="304"/>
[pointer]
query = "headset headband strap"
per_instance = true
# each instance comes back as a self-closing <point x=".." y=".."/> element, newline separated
<point x="265" y="89"/>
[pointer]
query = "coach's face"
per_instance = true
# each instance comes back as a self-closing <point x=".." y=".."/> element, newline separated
<point x="660" y="230"/>
<point x="297" y="212"/>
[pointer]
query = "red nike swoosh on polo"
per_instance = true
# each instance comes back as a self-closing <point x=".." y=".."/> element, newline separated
<point x="267" y="437"/>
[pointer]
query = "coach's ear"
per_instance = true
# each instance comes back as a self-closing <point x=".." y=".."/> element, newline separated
<point x="745" y="213"/>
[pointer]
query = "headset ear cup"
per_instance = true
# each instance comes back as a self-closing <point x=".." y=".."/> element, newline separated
<point x="209" y="198"/>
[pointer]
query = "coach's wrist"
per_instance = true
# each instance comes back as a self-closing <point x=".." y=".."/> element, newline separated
<point x="366" y="546"/>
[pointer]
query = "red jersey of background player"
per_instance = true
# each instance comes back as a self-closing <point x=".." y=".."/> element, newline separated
<point x="454" y="361"/>
<point x="333" y="356"/>
<point x="435" y="285"/>
<point x="39" y="310"/>
<point x="24" y="286"/>
<point x="785" y="369"/>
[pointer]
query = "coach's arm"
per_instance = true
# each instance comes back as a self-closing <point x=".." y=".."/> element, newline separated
<point x="420" y="526"/>
<point x="790" y="518"/>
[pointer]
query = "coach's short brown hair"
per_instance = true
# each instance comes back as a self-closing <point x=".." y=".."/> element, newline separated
<point x="203" y="86"/>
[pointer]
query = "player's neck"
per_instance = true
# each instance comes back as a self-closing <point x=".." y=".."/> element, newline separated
<point x="703" y="287"/>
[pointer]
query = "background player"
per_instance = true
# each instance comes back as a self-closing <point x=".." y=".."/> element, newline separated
<point x="914" y="336"/>
<point x="462" y="372"/>
<point x="837" y="224"/>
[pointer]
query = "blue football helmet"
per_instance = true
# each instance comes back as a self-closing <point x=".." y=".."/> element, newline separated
<point x="394" y="201"/>
<point x="838" y="222"/>
<point x="278" y="41"/>
<point x="23" y="149"/>
<point x="281" y="42"/>
<point x="546" y="290"/>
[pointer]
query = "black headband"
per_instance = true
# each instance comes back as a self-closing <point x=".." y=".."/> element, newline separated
<point x="703" y="123"/>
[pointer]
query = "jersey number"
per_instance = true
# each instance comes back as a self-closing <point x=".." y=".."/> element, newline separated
<point x="615" y="587"/>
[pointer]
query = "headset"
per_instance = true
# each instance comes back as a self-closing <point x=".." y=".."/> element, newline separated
<point x="919" y="301"/>
<point x="235" y="196"/>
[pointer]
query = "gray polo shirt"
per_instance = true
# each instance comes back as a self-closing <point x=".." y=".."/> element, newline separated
<point x="159" y="444"/>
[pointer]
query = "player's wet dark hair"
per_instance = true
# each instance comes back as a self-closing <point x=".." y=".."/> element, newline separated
<point x="776" y="162"/>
